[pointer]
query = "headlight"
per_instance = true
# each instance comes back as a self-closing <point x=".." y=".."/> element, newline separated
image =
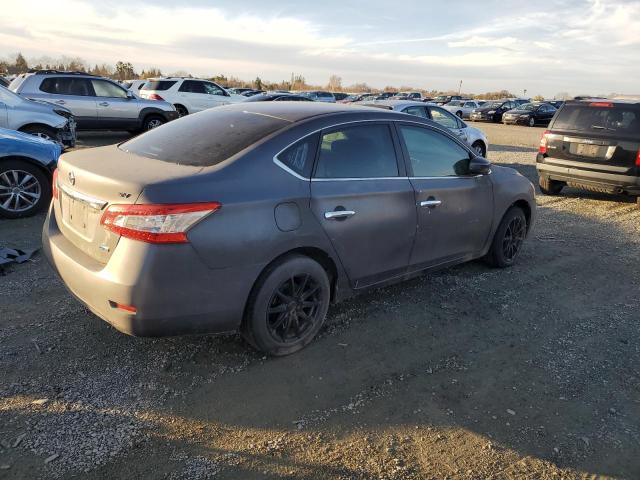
<point x="524" y="116"/>
<point x="491" y="112"/>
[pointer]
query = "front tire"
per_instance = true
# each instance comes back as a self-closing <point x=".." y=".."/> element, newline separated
<point x="288" y="306"/>
<point x="24" y="189"/>
<point x="152" y="121"/>
<point x="508" y="239"/>
<point x="182" y="110"/>
<point x="550" y="187"/>
<point x="532" y="122"/>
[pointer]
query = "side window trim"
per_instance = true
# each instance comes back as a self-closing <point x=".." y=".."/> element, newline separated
<point x="400" y="164"/>
<point x="407" y="159"/>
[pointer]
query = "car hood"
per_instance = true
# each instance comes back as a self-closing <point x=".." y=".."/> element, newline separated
<point x="13" y="142"/>
<point x="485" y="109"/>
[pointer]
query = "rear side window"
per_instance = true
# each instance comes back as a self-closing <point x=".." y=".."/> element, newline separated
<point x="192" y="86"/>
<point x="159" y="85"/>
<point x="205" y="139"/>
<point x="363" y="151"/>
<point x="615" y="120"/>
<point x="432" y="154"/>
<point x="66" y="86"/>
<point x="299" y="156"/>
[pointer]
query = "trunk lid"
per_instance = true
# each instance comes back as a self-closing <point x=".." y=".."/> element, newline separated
<point x="90" y="180"/>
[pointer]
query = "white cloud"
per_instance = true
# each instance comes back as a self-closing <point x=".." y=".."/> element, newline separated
<point x="478" y="41"/>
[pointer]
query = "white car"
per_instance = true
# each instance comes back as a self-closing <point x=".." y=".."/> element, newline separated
<point x="471" y="135"/>
<point x="461" y="108"/>
<point x="133" y="85"/>
<point x="189" y="95"/>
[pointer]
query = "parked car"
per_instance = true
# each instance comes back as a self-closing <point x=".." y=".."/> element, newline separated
<point x="461" y="108"/>
<point x="444" y="99"/>
<point x="493" y="110"/>
<point x="96" y="102"/>
<point x="474" y="137"/>
<point x="339" y="96"/>
<point x="134" y="85"/>
<point x="556" y="103"/>
<point x="268" y="258"/>
<point x="278" y="97"/>
<point x="26" y="166"/>
<point x="42" y="119"/>
<point x="251" y="93"/>
<point x="319" y="96"/>
<point x="4" y="82"/>
<point x="239" y="90"/>
<point x="189" y="95"/>
<point x="592" y="145"/>
<point x="531" y="114"/>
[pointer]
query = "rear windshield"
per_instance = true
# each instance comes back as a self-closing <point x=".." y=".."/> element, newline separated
<point x="620" y="119"/>
<point x="206" y="138"/>
<point x="159" y="84"/>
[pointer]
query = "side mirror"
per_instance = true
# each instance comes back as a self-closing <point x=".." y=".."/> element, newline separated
<point x="479" y="166"/>
<point x="130" y="95"/>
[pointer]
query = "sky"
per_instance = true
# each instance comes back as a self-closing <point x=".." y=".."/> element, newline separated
<point x="545" y="47"/>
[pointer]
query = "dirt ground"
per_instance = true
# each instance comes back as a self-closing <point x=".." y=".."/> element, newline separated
<point x="531" y="372"/>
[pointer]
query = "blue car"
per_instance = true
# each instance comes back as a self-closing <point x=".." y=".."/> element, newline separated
<point x="26" y="169"/>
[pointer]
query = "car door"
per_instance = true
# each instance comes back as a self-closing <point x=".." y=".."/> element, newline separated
<point x="192" y="95"/>
<point x="546" y="114"/>
<point x="74" y="93"/>
<point x="4" y="117"/>
<point x="454" y="208"/>
<point x="364" y="201"/>
<point x="116" y="108"/>
<point x="448" y="120"/>
<point x="217" y="96"/>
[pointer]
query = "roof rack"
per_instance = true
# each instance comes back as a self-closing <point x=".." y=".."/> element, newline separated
<point x="48" y="72"/>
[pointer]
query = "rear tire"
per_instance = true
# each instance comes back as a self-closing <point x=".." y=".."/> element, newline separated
<point x="288" y="306"/>
<point x="182" y="110"/>
<point x="479" y="148"/>
<point x="508" y="239"/>
<point x="459" y="114"/>
<point x="24" y="189"/>
<point x="550" y="187"/>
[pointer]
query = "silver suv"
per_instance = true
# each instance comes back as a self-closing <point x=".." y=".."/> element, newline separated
<point x="45" y="120"/>
<point x="96" y="102"/>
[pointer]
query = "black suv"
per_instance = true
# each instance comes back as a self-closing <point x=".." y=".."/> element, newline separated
<point x="592" y="145"/>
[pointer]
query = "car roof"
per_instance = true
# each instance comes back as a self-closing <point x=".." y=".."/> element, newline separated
<point x="397" y="103"/>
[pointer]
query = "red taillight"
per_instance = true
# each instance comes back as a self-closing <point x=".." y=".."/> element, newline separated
<point x="54" y="185"/>
<point x="638" y="158"/>
<point x="543" y="142"/>
<point x="156" y="223"/>
<point x="126" y="308"/>
<point x="155" y="96"/>
<point x="601" y="104"/>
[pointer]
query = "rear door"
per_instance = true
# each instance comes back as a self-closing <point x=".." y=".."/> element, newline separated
<point x="74" y="93"/>
<point x="601" y="136"/>
<point x="454" y="208"/>
<point x="364" y="202"/>
<point x="115" y="108"/>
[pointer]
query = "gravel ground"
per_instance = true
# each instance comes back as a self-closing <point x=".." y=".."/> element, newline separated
<point x="530" y="372"/>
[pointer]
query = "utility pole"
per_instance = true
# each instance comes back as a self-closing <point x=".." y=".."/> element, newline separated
<point x="460" y="87"/>
<point x="525" y="93"/>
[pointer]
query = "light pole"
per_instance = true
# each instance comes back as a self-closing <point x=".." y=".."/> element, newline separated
<point x="525" y="93"/>
<point x="460" y="87"/>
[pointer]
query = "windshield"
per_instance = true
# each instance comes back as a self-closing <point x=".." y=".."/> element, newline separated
<point x="441" y="98"/>
<point x="492" y="105"/>
<point x="530" y="107"/>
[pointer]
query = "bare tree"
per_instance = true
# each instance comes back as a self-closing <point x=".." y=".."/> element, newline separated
<point x="335" y="83"/>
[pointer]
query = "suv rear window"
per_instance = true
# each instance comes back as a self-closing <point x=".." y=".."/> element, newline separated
<point x="616" y="120"/>
<point x="159" y="84"/>
<point x="205" y="139"/>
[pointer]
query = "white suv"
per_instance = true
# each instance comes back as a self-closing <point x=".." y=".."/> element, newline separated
<point x="188" y="95"/>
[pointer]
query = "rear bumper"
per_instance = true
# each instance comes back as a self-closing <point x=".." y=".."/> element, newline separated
<point x="608" y="182"/>
<point x="173" y="291"/>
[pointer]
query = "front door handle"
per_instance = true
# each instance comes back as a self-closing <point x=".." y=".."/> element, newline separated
<point x="104" y="104"/>
<point x="339" y="214"/>
<point x="430" y="203"/>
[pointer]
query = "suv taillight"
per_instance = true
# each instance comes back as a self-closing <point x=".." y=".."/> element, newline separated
<point x="155" y="96"/>
<point x="638" y="158"/>
<point x="164" y="223"/>
<point x="543" y="142"/>
<point x="54" y="185"/>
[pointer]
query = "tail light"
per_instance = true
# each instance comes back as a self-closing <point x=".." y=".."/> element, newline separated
<point x="638" y="158"/>
<point x="165" y="223"/>
<point x="54" y="185"/>
<point x="155" y="96"/>
<point x="543" y="142"/>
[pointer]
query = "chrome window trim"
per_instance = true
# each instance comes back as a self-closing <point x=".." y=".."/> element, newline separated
<point x="403" y="120"/>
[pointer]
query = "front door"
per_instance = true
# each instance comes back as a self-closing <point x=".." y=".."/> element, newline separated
<point x="454" y="209"/>
<point x="115" y="108"/>
<point x="364" y="202"/>
<point x="4" y="119"/>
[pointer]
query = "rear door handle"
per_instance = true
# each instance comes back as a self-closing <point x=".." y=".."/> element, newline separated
<point x="104" y="104"/>
<point x="339" y="214"/>
<point x="430" y="203"/>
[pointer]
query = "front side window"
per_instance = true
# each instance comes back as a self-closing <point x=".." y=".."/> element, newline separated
<point x="362" y="151"/>
<point x="108" y="89"/>
<point x="444" y="118"/>
<point x="417" y="111"/>
<point x="432" y="154"/>
<point x="66" y="86"/>
<point x="213" y="89"/>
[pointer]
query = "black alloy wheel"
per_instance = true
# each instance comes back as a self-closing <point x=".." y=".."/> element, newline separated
<point x="508" y="239"/>
<point x="514" y="237"/>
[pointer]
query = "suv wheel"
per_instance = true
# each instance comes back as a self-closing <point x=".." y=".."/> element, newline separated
<point x="508" y="239"/>
<point x="288" y="306"/>
<point x="550" y="187"/>
<point x="182" y="111"/>
<point x="478" y="147"/>
<point x="41" y="131"/>
<point x="459" y="114"/>
<point x="24" y="189"/>
<point x="152" y="121"/>
<point x="532" y="122"/>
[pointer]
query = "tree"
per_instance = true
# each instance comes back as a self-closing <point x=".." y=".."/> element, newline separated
<point x="124" y="71"/>
<point x="257" y="83"/>
<point x="335" y="83"/>
<point x="151" y="73"/>
<point x="538" y="98"/>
